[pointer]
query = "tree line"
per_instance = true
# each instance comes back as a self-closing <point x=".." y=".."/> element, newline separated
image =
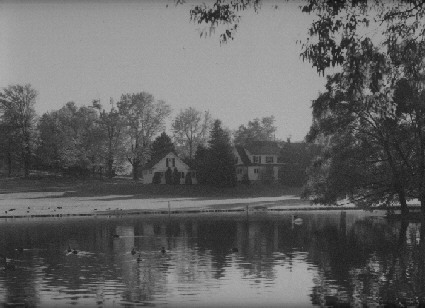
<point x="97" y="140"/>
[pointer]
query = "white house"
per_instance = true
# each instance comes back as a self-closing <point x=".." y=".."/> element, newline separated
<point x="258" y="160"/>
<point x="172" y="161"/>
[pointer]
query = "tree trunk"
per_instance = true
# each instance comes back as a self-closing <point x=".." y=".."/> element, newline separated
<point x="9" y="164"/>
<point x="403" y="202"/>
<point x="110" y="165"/>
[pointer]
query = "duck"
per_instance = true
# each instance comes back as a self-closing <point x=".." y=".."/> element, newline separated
<point x="69" y="250"/>
<point x="116" y="236"/>
<point x="20" y="249"/>
<point x="297" y="220"/>
<point x="8" y="265"/>
<point x="139" y="258"/>
<point x="163" y="250"/>
<point x="133" y="251"/>
<point x="74" y="251"/>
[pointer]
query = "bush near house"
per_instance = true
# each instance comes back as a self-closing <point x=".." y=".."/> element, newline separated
<point x="156" y="178"/>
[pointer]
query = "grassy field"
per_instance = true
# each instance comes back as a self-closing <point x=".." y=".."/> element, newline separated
<point x="126" y="186"/>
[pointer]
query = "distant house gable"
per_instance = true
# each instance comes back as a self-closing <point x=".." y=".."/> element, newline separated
<point x="161" y="164"/>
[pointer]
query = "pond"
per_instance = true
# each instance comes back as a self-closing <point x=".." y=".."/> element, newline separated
<point x="331" y="258"/>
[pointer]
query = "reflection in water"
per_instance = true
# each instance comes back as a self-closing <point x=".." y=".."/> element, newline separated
<point x="331" y="259"/>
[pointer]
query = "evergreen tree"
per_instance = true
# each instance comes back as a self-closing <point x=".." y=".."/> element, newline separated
<point x="200" y="163"/>
<point x="220" y="166"/>
<point x="161" y="146"/>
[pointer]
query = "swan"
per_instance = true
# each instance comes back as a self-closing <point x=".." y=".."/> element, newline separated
<point x="297" y="220"/>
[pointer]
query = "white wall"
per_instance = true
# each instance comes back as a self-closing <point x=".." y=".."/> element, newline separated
<point x="162" y="167"/>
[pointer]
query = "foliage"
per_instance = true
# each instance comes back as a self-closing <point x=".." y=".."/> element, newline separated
<point x="156" y="178"/>
<point x="190" y="129"/>
<point x="200" y="163"/>
<point x="215" y="164"/>
<point x="245" y="179"/>
<point x="374" y="134"/>
<point x="143" y="118"/>
<point x="296" y="158"/>
<point x="162" y="145"/>
<point x="71" y="139"/>
<point x="111" y="126"/>
<point x="188" y="178"/>
<point x="256" y="130"/>
<point x="267" y="175"/>
<point x="17" y="118"/>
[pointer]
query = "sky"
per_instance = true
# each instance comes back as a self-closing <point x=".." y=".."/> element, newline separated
<point x="80" y="51"/>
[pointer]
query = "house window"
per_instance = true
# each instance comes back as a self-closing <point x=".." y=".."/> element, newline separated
<point x="269" y="159"/>
<point x="170" y="162"/>
<point x="255" y="170"/>
<point x="256" y="159"/>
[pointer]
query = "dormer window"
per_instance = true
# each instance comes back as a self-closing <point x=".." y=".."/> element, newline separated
<point x="256" y="159"/>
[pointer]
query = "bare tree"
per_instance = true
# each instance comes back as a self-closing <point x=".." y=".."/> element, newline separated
<point x="143" y="118"/>
<point x="190" y="129"/>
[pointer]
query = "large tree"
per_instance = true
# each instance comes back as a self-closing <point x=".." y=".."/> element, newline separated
<point x="190" y="129"/>
<point x="216" y="164"/>
<point x="255" y="130"/>
<point x="111" y="126"/>
<point x="71" y="139"/>
<point x="144" y="117"/>
<point x="17" y="117"/>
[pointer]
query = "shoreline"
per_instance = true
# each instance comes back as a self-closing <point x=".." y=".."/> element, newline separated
<point x="60" y="198"/>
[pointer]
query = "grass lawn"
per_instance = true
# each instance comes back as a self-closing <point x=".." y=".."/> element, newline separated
<point x="126" y="186"/>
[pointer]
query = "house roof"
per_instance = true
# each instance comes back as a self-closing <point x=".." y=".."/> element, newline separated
<point x="153" y="162"/>
<point x="263" y="148"/>
<point x="244" y="157"/>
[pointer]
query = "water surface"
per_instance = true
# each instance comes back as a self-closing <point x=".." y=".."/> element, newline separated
<point x="330" y="259"/>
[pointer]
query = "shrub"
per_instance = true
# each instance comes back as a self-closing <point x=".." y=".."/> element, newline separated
<point x="169" y="176"/>
<point x="188" y="178"/>
<point x="245" y="179"/>
<point x="176" y="177"/>
<point x="156" y="178"/>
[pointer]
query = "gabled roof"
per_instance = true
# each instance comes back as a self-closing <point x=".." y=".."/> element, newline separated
<point x="263" y="148"/>
<point x="244" y="157"/>
<point x="153" y="162"/>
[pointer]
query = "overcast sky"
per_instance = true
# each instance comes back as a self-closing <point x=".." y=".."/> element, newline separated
<point x="79" y="51"/>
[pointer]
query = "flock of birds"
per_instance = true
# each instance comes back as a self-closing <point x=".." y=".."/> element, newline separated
<point x="9" y="265"/>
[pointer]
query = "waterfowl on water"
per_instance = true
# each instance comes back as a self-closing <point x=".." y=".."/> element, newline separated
<point x="69" y="250"/>
<point x="163" y="250"/>
<point x="133" y="251"/>
<point x="234" y="249"/>
<point x="8" y="265"/>
<point x="20" y="249"/>
<point x="116" y="236"/>
<point x="139" y="258"/>
<point x="74" y="251"/>
<point x="297" y="220"/>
